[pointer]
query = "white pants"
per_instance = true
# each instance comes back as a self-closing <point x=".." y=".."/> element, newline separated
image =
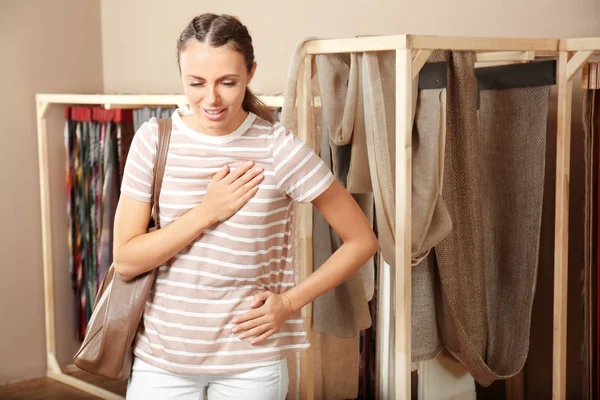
<point x="148" y="382"/>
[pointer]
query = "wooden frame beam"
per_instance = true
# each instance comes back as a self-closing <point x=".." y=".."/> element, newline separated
<point x="429" y="42"/>
<point x="505" y="56"/>
<point x="42" y="108"/>
<point x="577" y="61"/>
<point x="515" y="387"/>
<point x="135" y="100"/>
<point x="403" y="268"/>
<point x="577" y="44"/>
<point x="569" y="65"/>
<point x="84" y="386"/>
<point x="419" y="58"/>
<point x="561" y="233"/>
<point x="357" y="44"/>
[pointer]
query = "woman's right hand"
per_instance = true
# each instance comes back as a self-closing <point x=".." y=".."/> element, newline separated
<point x="228" y="191"/>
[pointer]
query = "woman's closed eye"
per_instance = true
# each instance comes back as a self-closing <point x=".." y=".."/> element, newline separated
<point x="226" y="83"/>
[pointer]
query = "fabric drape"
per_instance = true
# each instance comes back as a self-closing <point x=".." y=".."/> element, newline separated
<point x="431" y="219"/>
<point x="493" y="185"/>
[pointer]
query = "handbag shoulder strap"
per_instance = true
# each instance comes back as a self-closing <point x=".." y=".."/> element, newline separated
<point x="162" y="150"/>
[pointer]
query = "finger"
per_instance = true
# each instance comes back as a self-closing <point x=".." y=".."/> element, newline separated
<point x="264" y="336"/>
<point x="246" y="197"/>
<point x="246" y="326"/>
<point x="240" y="191"/>
<point x="221" y="174"/>
<point x="252" y="314"/>
<point x="247" y="177"/>
<point x="239" y="171"/>
<point x="261" y="297"/>
<point x="259" y="330"/>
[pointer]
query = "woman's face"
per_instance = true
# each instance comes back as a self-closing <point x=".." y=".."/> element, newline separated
<point x="214" y="81"/>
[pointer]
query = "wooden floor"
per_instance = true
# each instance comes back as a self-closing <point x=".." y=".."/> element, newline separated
<point x="49" y="389"/>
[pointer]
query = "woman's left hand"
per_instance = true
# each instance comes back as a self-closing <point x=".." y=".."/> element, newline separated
<point x="265" y="319"/>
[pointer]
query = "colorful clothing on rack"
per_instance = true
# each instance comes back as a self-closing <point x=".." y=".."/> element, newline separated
<point x="92" y="186"/>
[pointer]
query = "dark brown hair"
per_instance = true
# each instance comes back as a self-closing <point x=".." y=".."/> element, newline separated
<point x="222" y="30"/>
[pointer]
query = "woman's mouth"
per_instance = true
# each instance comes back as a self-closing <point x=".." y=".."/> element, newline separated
<point x="214" y="115"/>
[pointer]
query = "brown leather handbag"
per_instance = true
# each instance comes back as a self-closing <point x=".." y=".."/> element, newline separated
<point x="107" y="348"/>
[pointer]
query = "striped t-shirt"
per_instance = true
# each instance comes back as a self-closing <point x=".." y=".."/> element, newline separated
<point x="187" y="320"/>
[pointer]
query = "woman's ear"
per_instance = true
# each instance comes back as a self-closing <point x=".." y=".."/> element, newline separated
<point x="252" y="71"/>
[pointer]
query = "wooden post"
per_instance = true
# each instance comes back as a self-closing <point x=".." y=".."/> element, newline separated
<point x="307" y="390"/>
<point x="515" y="387"/>
<point x="47" y="260"/>
<point x="561" y="234"/>
<point x="403" y="272"/>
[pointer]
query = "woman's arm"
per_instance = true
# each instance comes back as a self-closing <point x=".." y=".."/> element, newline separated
<point x="136" y="250"/>
<point x="359" y="244"/>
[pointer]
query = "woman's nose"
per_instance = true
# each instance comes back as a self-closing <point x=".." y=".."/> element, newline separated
<point x="213" y="96"/>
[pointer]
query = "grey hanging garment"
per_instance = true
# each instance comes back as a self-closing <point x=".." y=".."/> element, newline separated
<point x="342" y="311"/>
<point x="493" y="186"/>
<point x="426" y="342"/>
<point x="431" y="221"/>
<point x="341" y="123"/>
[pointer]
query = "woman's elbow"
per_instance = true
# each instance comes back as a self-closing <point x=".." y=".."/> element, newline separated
<point x="122" y="271"/>
<point x="371" y="244"/>
<point x="121" y="268"/>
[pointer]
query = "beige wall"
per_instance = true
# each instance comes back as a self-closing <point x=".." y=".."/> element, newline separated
<point x="139" y="42"/>
<point x="122" y="46"/>
<point x="47" y="46"/>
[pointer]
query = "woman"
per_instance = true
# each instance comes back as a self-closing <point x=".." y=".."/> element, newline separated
<point x="224" y="307"/>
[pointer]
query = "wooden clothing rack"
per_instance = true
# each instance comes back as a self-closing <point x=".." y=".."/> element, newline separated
<point x="412" y="52"/>
<point x="108" y="101"/>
